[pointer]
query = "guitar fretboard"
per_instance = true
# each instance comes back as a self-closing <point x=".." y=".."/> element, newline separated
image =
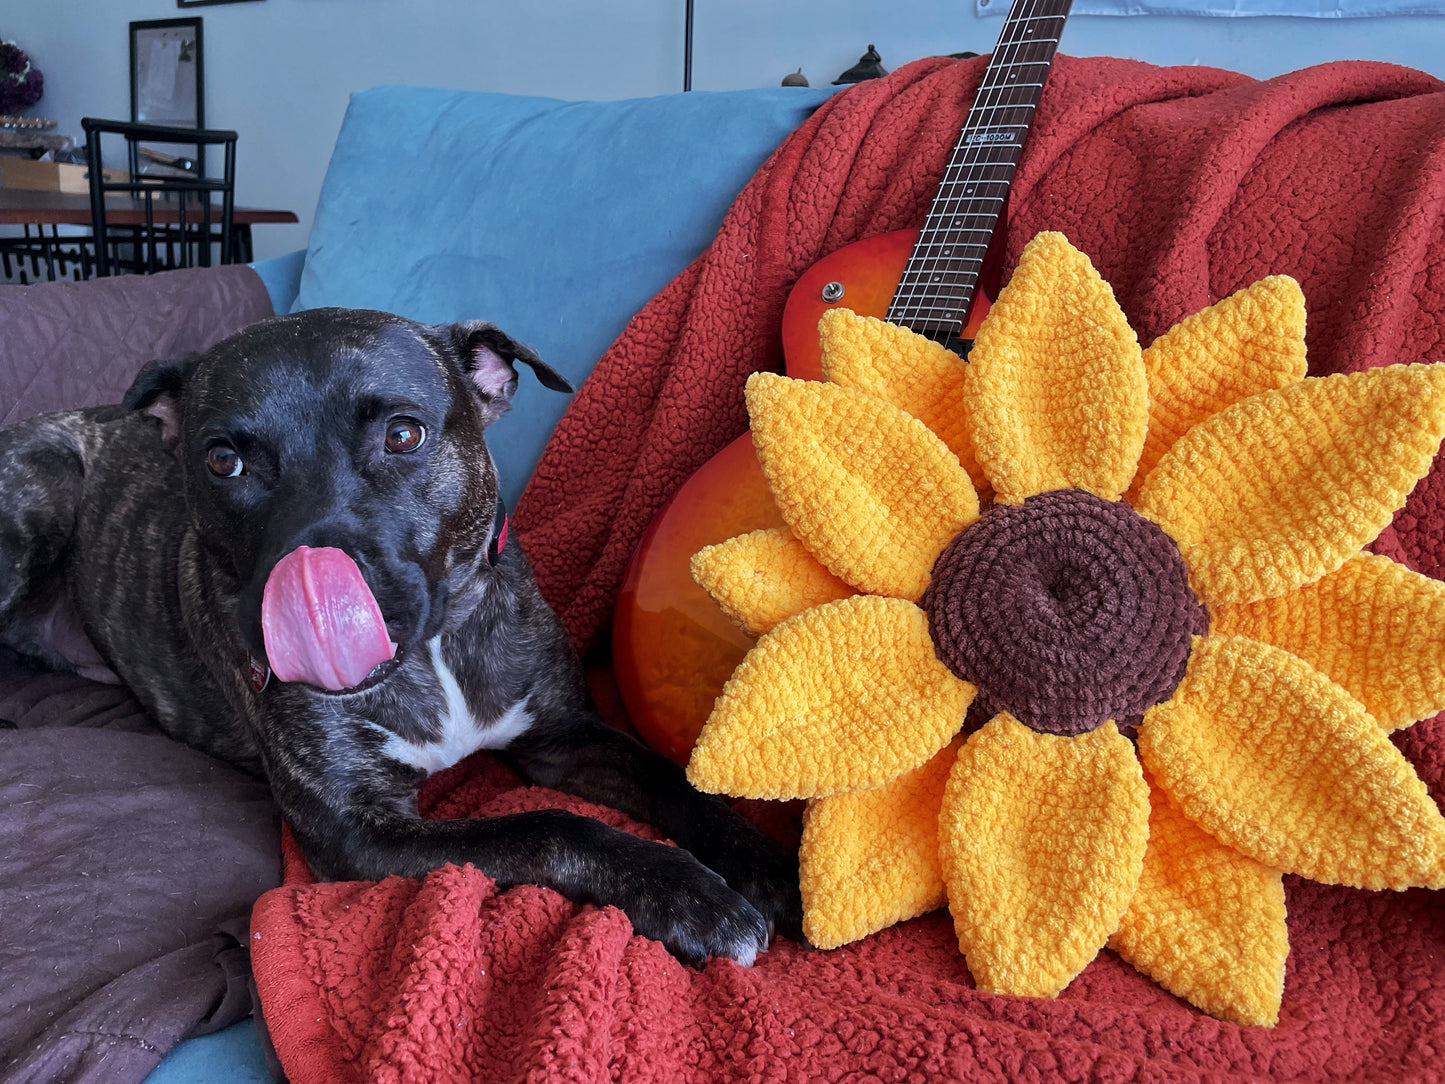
<point x="938" y="284"/>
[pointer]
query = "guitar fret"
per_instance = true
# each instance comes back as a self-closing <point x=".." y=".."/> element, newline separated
<point x="981" y="244"/>
<point x="967" y="157"/>
<point x="1025" y="46"/>
<point x="1026" y="105"/>
<point x="960" y="231"/>
<point x="928" y="293"/>
<point x="935" y="308"/>
<point x="936" y="267"/>
<point x="920" y="297"/>
<point x="917" y="296"/>
<point x="985" y="173"/>
<point x="963" y="189"/>
<point x="917" y="271"/>
<point x="956" y="235"/>
<point x="1027" y="43"/>
<point x="1030" y="85"/>
<point x="930" y="266"/>
<point x="1030" y="79"/>
<point x="957" y="256"/>
<point x="946" y="246"/>
<point x="955" y="213"/>
<point x="984" y="154"/>
<point x="923" y="294"/>
<point x="959" y="205"/>
<point x="980" y="172"/>
<point x="956" y="183"/>
<point x="943" y="309"/>
<point x="977" y="219"/>
<point x="916" y="276"/>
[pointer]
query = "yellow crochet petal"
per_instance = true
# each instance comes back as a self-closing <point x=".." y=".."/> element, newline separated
<point x="1042" y="839"/>
<point x="915" y="374"/>
<point x="1286" y="486"/>
<point x="1056" y="383"/>
<point x="870" y="859"/>
<point x="1271" y="757"/>
<point x="842" y="697"/>
<point x="870" y="490"/>
<point x="1250" y="342"/>
<point x="1373" y="625"/>
<point x="1206" y="923"/>
<point x="764" y="577"/>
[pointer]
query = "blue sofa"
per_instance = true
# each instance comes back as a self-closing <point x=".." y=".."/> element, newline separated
<point x="555" y="220"/>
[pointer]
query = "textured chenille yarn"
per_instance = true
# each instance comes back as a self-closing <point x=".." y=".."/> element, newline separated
<point x="1158" y="605"/>
<point x="1068" y="609"/>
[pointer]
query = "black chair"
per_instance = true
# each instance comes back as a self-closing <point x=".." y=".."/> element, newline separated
<point x="182" y="222"/>
<point x="48" y="255"/>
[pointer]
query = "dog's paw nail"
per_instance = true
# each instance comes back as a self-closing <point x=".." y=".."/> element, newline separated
<point x="746" y="958"/>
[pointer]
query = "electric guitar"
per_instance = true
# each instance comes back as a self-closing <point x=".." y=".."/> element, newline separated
<point x="673" y="649"/>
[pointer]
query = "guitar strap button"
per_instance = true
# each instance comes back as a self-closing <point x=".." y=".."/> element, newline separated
<point x="832" y="292"/>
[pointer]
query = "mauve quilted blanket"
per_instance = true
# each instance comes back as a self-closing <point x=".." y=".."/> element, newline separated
<point x="128" y="863"/>
<point x="1182" y="185"/>
<point x="65" y="345"/>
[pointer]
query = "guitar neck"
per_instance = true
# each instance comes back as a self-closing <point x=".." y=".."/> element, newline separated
<point x="938" y="284"/>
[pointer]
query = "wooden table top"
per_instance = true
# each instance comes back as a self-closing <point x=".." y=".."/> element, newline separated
<point x="20" y="207"/>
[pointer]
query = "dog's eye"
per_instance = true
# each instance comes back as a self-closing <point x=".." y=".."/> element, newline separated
<point x="404" y="435"/>
<point x="224" y="461"/>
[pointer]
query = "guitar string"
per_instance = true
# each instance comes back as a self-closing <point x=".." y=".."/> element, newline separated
<point x="968" y="189"/>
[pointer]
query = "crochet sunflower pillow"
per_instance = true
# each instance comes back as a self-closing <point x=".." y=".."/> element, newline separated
<point x="1144" y="571"/>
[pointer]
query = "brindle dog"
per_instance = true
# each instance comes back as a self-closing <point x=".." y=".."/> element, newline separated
<point x="137" y="542"/>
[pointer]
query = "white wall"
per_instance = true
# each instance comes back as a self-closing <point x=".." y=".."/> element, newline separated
<point x="279" y="71"/>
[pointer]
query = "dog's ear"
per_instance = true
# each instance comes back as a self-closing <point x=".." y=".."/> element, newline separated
<point x="156" y="390"/>
<point x="488" y="355"/>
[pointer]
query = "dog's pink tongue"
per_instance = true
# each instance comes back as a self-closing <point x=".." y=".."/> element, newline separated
<point x="321" y="623"/>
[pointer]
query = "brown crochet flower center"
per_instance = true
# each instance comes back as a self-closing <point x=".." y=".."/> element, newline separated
<point x="1066" y="611"/>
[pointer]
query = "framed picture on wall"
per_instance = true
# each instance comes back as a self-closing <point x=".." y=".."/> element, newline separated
<point x="167" y="73"/>
<point x="205" y="3"/>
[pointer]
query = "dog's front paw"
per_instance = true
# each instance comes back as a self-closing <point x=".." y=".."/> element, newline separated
<point x="772" y="888"/>
<point x="762" y="870"/>
<point x="675" y="899"/>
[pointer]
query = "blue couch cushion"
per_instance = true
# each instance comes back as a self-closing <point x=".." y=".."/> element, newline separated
<point x="555" y="220"/>
<point x="281" y="276"/>
<point x="233" y="1055"/>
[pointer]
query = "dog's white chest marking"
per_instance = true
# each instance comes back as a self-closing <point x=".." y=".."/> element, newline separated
<point x="461" y="733"/>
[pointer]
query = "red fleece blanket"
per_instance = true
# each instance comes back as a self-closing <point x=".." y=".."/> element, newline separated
<point x="1182" y="185"/>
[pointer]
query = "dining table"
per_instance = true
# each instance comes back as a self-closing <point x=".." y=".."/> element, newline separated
<point x="29" y="207"/>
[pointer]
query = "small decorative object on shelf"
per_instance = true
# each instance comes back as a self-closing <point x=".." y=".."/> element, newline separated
<point x="21" y="83"/>
<point x="869" y="66"/>
<point x="30" y="123"/>
<point x="32" y="135"/>
<point x="795" y="79"/>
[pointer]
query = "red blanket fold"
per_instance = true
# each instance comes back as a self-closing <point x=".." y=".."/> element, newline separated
<point x="1182" y="185"/>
